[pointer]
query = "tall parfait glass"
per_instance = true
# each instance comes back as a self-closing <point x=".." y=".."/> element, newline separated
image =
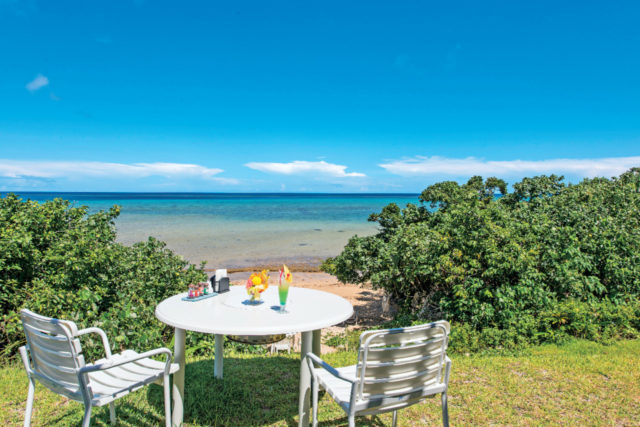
<point x="283" y="287"/>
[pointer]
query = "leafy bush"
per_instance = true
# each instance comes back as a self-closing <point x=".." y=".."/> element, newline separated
<point x="596" y="320"/>
<point x="347" y="340"/>
<point x="59" y="261"/>
<point x="507" y="265"/>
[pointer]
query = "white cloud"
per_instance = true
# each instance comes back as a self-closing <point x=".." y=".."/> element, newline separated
<point x="300" y="167"/>
<point x="71" y="169"/>
<point x="435" y="165"/>
<point x="37" y="83"/>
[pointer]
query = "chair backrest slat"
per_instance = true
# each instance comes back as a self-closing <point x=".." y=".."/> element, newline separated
<point x="394" y="362"/>
<point x="402" y="367"/>
<point x="382" y="354"/>
<point x="53" y="343"/>
<point x="53" y="358"/>
<point x="398" y="337"/>
<point x="55" y="351"/>
<point x="48" y="324"/>
<point x="56" y="359"/>
<point x="402" y="385"/>
<point x="68" y="379"/>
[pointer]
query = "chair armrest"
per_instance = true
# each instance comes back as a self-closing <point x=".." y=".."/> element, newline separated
<point x="103" y="336"/>
<point x="312" y="358"/>
<point x="111" y="363"/>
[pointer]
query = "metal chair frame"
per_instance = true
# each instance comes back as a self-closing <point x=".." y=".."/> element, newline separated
<point x="396" y="368"/>
<point x="53" y="357"/>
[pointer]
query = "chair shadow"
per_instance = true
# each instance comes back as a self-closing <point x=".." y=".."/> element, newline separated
<point x="254" y="391"/>
<point x="127" y="414"/>
<point x="360" y="421"/>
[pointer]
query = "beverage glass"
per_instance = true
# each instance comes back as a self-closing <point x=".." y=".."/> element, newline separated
<point x="283" y="292"/>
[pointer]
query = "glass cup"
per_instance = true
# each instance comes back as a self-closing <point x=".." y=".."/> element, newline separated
<point x="283" y="292"/>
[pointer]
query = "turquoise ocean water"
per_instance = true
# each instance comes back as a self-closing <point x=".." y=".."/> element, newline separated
<point x="240" y="230"/>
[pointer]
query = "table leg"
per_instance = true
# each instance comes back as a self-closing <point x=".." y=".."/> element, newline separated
<point x="317" y="342"/>
<point x="219" y="357"/>
<point x="178" y="377"/>
<point x="304" y="404"/>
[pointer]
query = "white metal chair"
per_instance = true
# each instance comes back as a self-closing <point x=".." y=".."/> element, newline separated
<point x="284" y="345"/>
<point x="53" y="356"/>
<point x="396" y="368"/>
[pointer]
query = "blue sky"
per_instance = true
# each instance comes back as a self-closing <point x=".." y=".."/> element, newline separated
<point x="313" y="96"/>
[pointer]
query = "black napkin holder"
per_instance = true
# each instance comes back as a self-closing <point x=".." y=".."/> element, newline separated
<point x="219" y="286"/>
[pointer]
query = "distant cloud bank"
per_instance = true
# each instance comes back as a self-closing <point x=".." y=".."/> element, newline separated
<point x="71" y="169"/>
<point x="39" y="82"/>
<point x="300" y="167"/>
<point x="84" y="175"/>
<point x="421" y="166"/>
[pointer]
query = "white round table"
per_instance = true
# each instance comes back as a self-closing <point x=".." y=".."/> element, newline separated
<point x="308" y="311"/>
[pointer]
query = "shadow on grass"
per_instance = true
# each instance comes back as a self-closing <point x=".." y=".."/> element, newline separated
<point x="128" y="413"/>
<point x="370" y="421"/>
<point x="134" y="415"/>
<point x="254" y="391"/>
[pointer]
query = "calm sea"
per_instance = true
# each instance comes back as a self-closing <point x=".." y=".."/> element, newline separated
<point x="240" y="230"/>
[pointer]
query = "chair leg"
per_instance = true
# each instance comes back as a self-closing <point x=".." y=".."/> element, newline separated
<point x="86" y="420"/>
<point x="395" y="419"/>
<point x="314" y="402"/>
<point x="445" y="410"/>
<point x="352" y="421"/>
<point x="167" y="401"/>
<point x="112" y="413"/>
<point x="30" y="397"/>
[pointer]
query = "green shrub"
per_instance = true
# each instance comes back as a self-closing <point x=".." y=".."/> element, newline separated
<point x="596" y="321"/>
<point x="601" y="321"/>
<point x="59" y="261"/>
<point x="504" y="266"/>
<point x="347" y="340"/>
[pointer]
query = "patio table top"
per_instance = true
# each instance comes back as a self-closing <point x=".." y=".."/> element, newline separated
<point x="307" y="310"/>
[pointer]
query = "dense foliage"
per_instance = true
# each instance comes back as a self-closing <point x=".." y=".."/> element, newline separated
<point x="545" y="261"/>
<point x="58" y="260"/>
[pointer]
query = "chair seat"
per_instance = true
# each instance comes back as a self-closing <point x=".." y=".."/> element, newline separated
<point x="113" y="383"/>
<point x="339" y="389"/>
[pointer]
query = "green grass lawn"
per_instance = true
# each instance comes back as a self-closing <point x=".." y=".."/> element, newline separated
<point x="580" y="383"/>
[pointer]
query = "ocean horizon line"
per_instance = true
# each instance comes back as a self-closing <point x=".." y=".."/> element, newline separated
<point x="203" y="193"/>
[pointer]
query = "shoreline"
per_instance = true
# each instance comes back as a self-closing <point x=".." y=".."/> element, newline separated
<point x="296" y="267"/>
